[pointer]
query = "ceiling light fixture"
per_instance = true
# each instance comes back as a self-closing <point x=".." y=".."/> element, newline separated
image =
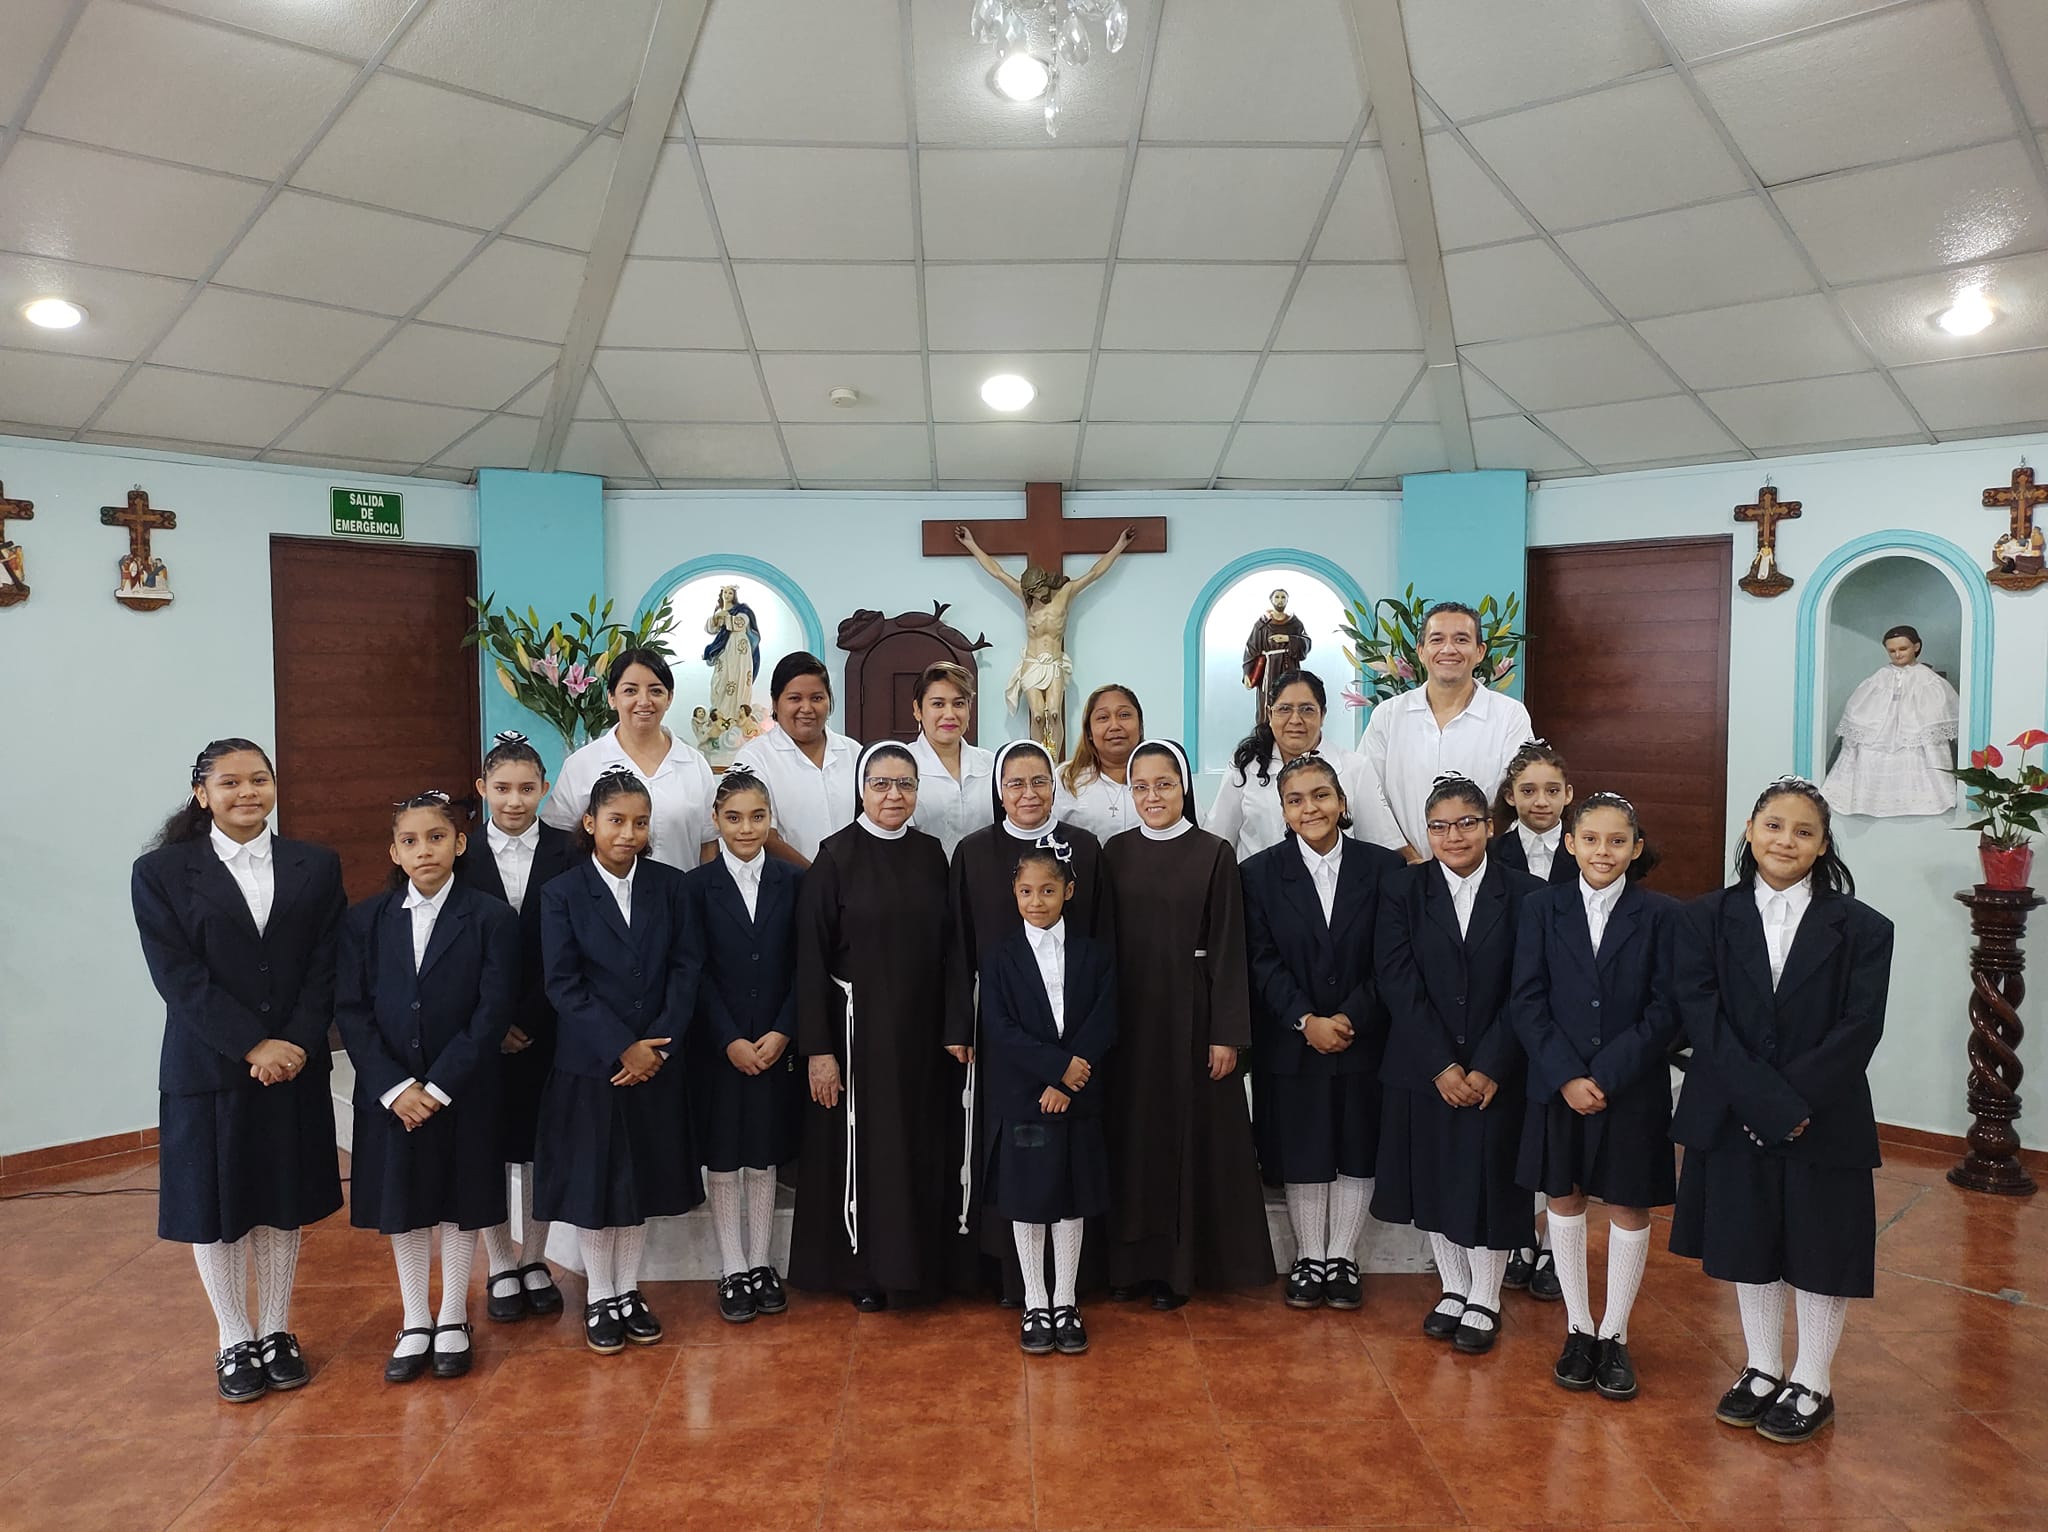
<point x="53" y="313"/>
<point x="1969" y="314"/>
<point x="1050" y="33"/>
<point x="1021" y="76"/>
<point x="1008" y="392"/>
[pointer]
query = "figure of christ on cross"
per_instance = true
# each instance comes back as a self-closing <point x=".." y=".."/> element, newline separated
<point x="2016" y="558"/>
<point x="1764" y="577"/>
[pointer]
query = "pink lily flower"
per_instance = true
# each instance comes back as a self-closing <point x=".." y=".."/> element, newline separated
<point x="549" y="667"/>
<point x="577" y="681"/>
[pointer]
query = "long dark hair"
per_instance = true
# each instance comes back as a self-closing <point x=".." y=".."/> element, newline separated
<point x="1532" y="751"/>
<point x="618" y="782"/>
<point x="1831" y="874"/>
<point x="1258" y="746"/>
<point x="192" y="819"/>
<point x="1083" y="762"/>
<point x="648" y="657"/>
<point x="1643" y="865"/>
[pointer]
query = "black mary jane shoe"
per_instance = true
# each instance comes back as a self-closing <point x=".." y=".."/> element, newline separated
<point x="1068" y="1333"/>
<point x="1784" y="1423"/>
<point x="540" y="1300"/>
<point x="239" y="1373"/>
<point x="1034" y="1335"/>
<point x="1305" y="1284"/>
<point x="1614" y="1374"/>
<point x="453" y="1364"/>
<point x="869" y="1302"/>
<point x="736" y="1304"/>
<point x="1578" y="1362"/>
<point x="1341" y="1287"/>
<point x="769" y="1297"/>
<point x="642" y="1328"/>
<point x="508" y="1307"/>
<point x="284" y="1365"/>
<point x="403" y="1369"/>
<point x="1544" y="1285"/>
<point x="1438" y="1325"/>
<point x="1470" y="1338"/>
<point x="603" y="1331"/>
<point x="1520" y="1265"/>
<point x="1166" y="1300"/>
<point x="1742" y="1406"/>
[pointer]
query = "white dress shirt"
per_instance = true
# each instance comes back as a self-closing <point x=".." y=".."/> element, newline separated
<point x="1049" y="946"/>
<point x="425" y="911"/>
<point x="1600" y="903"/>
<point x="1541" y="850"/>
<point x="948" y="810"/>
<point x="1782" y="910"/>
<point x="1322" y="870"/>
<point x="808" y="802"/>
<point x="1464" y="892"/>
<point x="254" y="872"/>
<point x="680" y="792"/>
<point x="514" y="856"/>
<point x="622" y="888"/>
<point x="1407" y="752"/>
<point x="1247" y="813"/>
<point x="746" y="874"/>
<point x="1099" y="805"/>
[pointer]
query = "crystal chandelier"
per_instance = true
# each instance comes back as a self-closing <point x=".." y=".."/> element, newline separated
<point x="1058" y="32"/>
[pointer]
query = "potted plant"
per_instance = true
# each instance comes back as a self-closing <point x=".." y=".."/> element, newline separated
<point x="2011" y="805"/>
<point x="1384" y="637"/>
<point x="557" y="671"/>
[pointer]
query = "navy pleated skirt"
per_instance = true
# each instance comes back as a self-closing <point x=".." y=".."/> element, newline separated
<point x="1318" y="1127"/>
<point x="611" y="1156"/>
<point x="1748" y="1216"/>
<point x="1047" y="1168"/>
<point x="524" y="1075"/>
<point x="747" y="1122"/>
<point x="256" y="1156"/>
<point x="450" y="1169"/>
<point x="1623" y="1155"/>
<point x="1451" y="1171"/>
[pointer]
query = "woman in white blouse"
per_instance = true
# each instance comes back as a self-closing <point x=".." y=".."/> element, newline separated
<point x="1247" y="808"/>
<point x="1092" y="790"/>
<point x="679" y="780"/>
<point x="953" y="793"/>
<point x="809" y="767"/>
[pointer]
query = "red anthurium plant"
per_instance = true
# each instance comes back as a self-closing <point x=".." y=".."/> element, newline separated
<point x="2011" y="802"/>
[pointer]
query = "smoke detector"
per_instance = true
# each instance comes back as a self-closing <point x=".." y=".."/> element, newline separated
<point x="844" y="398"/>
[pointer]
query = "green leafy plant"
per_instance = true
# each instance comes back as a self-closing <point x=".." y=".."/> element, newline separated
<point x="1385" y="641"/>
<point x="2011" y="805"/>
<point x="556" y="671"/>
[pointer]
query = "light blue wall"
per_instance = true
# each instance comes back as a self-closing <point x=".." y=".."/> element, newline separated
<point x="1463" y="537"/>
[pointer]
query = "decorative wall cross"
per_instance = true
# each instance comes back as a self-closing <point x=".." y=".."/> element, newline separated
<point x="13" y="571"/>
<point x="1765" y="578"/>
<point x="1045" y="535"/>
<point x="2016" y="561"/>
<point x="145" y="582"/>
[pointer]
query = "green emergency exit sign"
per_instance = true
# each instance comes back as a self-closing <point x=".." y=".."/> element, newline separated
<point x="368" y="513"/>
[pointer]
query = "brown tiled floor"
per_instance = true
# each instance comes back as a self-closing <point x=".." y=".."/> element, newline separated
<point x="1234" y="1412"/>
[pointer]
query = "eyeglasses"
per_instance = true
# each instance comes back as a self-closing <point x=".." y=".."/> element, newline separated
<point x="1018" y="784"/>
<point x="886" y="785"/>
<point x="1464" y="826"/>
<point x="1303" y="710"/>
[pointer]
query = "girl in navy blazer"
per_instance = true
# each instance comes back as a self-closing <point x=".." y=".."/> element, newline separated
<point x="428" y="973"/>
<point x="1445" y="950"/>
<point x="1318" y="1027"/>
<point x="1782" y="982"/>
<point x="1593" y="1010"/>
<point x="1048" y="1016"/>
<point x="238" y="928"/>
<point x="615" y="1147"/>
<point x="745" y="1093"/>
<point x="512" y="860"/>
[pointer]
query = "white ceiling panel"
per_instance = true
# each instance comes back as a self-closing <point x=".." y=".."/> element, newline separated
<point x="1633" y="149"/>
<point x="1185" y="386"/>
<point x="38" y="388"/>
<point x="1506" y="291"/>
<point x="514" y="289"/>
<point x="599" y="447"/>
<point x="1856" y="407"/>
<point x="1350" y="308"/>
<point x="1940" y="211"/>
<point x="1225" y="204"/>
<point x="197" y="406"/>
<point x="252" y="336"/>
<point x="345" y="462"/>
<point x="1194" y="308"/>
<point x="674" y="304"/>
<point x="1329" y="386"/>
<point x="177" y="89"/>
<point x="124" y="313"/>
<point x="1905" y="82"/>
<point x="712" y="452"/>
<point x="2022" y="27"/>
<point x="576" y="60"/>
<point x="1640" y="431"/>
<point x="1698" y="28"/>
<point x="859" y="452"/>
<point x="1265" y="451"/>
<point x="307" y="247"/>
<point x="682" y="385"/>
<point x="956" y="103"/>
<point x="1699" y="257"/>
<point x="348" y="425"/>
<point x="674" y="219"/>
<point x="32" y="26"/>
<point x="436" y="365"/>
<point x="82" y="205"/>
<point x="566" y="213"/>
<point x="831" y="308"/>
<point x="1220" y="74"/>
<point x="1898" y="318"/>
<point x="1004" y="308"/>
<point x="503" y="441"/>
<point x="355" y="27"/>
<point x="1361" y="222"/>
<point x="1481" y="399"/>
<point x="1755" y="343"/>
<point x="533" y="399"/>
<point x="800" y="384"/>
<point x="1183" y="453"/>
<point x="797" y="70"/>
<point x="1059" y="376"/>
<point x="1012" y="450"/>
<point x="1406" y="449"/>
<point x="1557" y="372"/>
<point x="1515" y="441"/>
<point x="1470" y="208"/>
<point x="1476" y="56"/>
<point x="1019" y="205"/>
<point x="811" y="204"/>
<point x="590" y="403"/>
<point x="1978" y="392"/>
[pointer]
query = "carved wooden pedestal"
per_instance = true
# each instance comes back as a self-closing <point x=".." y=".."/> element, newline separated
<point x="1998" y="919"/>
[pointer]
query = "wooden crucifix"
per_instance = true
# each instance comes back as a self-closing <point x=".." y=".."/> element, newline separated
<point x="145" y="582"/>
<point x="13" y="570"/>
<point x="2016" y="561"/>
<point x="1765" y="578"/>
<point x="1045" y="536"/>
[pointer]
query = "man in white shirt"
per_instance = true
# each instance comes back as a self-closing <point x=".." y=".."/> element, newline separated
<point x="1451" y="724"/>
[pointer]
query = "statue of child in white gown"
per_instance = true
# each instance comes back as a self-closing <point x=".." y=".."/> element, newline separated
<point x="1898" y="735"/>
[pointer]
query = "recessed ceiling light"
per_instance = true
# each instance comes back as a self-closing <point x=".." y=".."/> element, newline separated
<point x="53" y="313"/>
<point x="1021" y="77"/>
<point x="1968" y="315"/>
<point x="1007" y="392"/>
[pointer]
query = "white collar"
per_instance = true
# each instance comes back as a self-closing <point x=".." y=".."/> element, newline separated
<point x="678" y="750"/>
<point x="750" y="871"/>
<point x="414" y="898"/>
<point x="836" y="743"/>
<point x="1480" y="705"/>
<point x="974" y="760"/>
<point x="1175" y="831"/>
<point x="1032" y="837"/>
<point x="1054" y="935"/>
<point x="1797" y="897"/>
<point x="498" y="840"/>
<point x="615" y="884"/>
<point x="227" y="850"/>
<point x="1549" y="839"/>
<point x="1471" y="879"/>
<point x="1333" y="859"/>
<point x="878" y="832"/>
<point x="1604" y="899"/>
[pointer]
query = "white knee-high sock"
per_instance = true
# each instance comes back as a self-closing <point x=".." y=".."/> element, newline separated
<point x="414" y="1252"/>
<point x="600" y="1262"/>
<point x="759" y="1186"/>
<point x="458" y="1255"/>
<point x="533" y="1233"/>
<point x="1568" y="1243"/>
<point x="1820" y="1331"/>
<point x="724" y="1189"/>
<point x="1488" y="1267"/>
<point x="1308" y="1209"/>
<point x="1543" y="1222"/>
<point x="1030" y="1238"/>
<point x="1628" y="1251"/>
<point x="1348" y="1199"/>
<point x="500" y="1253"/>
<point x="631" y="1247"/>
<point x="277" y="1267"/>
<point x="1453" y="1270"/>
<point x="1066" y="1261"/>
<point x="224" y="1273"/>
<point x="1763" y="1327"/>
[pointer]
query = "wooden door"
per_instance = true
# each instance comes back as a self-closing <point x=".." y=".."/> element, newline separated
<point x="1627" y="675"/>
<point x="376" y="697"/>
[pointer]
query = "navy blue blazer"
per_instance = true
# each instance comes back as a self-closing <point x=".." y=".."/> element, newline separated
<point x="746" y="967"/>
<point x="1507" y="848"/>
<point x="611" y="986"/>
<point x="1768" y="1059"/>
<point x="1608" y="1017"/>
<point x="1446" y="994"/>
<point x="1302" y="966"/>
<point x="439" y="1025"/>
<point x="478" y="869"/>
<point x="225" y="987"/>
<point x="1021" y="1051"/>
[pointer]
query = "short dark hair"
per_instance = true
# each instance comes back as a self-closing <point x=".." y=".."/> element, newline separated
<point x="1459" y="607"/>
<point x="1903" y="630"/>
<point x="631" y="657"/>
<point x="943" y="670"/>
<point x="797" y="663"/>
